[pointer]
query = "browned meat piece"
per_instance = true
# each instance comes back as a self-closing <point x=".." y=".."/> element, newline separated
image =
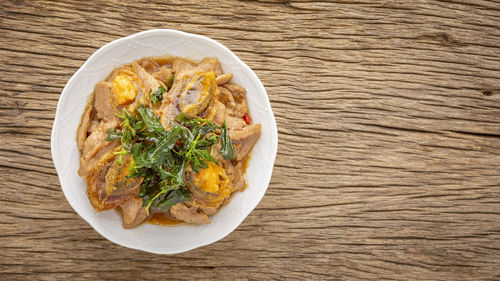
<point x="168" y="113"/>
<point x="84" y="126"/>
<point x="189" y="214"/>
<point x="107" y="184"/>
<point x="95" y="146"/>
<point x="239" y="182"/>
<point x="234" y="123"/>
<point x="169" y="107"/>
<point x="207" y="65"/>
<point x="86" y="165"/>
<point x="149" y="83"/>
<point x="224" y="78"/>
<point x="181" y="67"/>
<point x="244" y="139"/>
<point x="239" y="95"/>
<point x="133" y="213"/>
<point x="209" y="210"/>
<point x="163" y="75"/>
<point x="241" y="109"/>
<point x="220" y="112"/>
<point x="102" y="101"/>
<point x="227" y="99"/>
<point x="96" y="140"/>
<point x="149" y="65"/>
<point x="92" y="126"/>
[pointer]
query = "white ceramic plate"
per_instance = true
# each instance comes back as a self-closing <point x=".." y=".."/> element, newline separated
<point x="148" y="237"/>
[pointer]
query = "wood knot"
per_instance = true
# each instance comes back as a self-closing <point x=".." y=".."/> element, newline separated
<point x="490" y="92"/>
<point x="20" y="104"/>
<point x="440" y="37"/>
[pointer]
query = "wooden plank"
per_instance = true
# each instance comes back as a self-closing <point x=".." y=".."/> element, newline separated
<point x="389" y="125"/>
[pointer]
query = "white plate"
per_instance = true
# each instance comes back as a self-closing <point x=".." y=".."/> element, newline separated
<point x="148" y="237"/>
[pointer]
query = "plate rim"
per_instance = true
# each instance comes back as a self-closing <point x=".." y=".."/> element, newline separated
<point x="56" y="125"/>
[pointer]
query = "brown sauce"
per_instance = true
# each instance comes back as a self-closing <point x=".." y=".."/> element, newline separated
<point x="246" y="162"/>
<point x="163" y="219"/>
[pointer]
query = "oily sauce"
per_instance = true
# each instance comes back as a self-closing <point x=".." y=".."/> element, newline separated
<point x="163" y="219"/>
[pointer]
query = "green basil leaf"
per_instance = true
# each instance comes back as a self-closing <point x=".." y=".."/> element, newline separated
<point x="227" y="147"/>
<point x="113" y="134"/>
<point x="171" y="198"/>
<point x="153" y="124"/>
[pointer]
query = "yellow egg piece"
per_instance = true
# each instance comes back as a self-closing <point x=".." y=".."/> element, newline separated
<point x="123" y="89"/>
<point x="209" y="179"/>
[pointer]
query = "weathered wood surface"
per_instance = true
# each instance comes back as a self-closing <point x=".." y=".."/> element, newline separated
<point x="389" y="125"/>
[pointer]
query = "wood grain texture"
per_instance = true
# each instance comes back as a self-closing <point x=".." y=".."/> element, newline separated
<point x="389" y="126"/>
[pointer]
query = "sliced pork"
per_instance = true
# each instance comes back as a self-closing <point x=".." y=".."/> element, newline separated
<point x="163" y="74"/>
<point x="133" y="213"/>
<point x="81" y="134"/>
<point x="149" y="83"/>
<point x="181" y="66"/>
<point x="103" y="102"/>
<point x="244" y="139"/>
<point x="149" y="65"/>
<point x="207" y="65"/>
<point x="189" y="214"/>
<point x="95" y="146"/>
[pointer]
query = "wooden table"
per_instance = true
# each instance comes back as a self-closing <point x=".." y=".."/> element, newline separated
<point x="389" y="140"/>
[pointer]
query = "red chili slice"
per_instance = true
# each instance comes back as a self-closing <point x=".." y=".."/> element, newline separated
<point x="246" y="118"/>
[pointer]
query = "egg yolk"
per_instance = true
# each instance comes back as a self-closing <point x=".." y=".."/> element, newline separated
<point x="209" y="179"/>
<point x="123" y="89"/>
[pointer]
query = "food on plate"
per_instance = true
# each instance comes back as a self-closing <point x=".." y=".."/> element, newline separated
<point x="165" y="140"/>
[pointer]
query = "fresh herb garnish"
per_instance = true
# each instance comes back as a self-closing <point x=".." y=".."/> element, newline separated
<point x="126" y="135"/>
<point x="227" y="149"/>
<point x="113" y="134"/>
<point x="157" y="96"/>
<point x="160" y="157"/>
